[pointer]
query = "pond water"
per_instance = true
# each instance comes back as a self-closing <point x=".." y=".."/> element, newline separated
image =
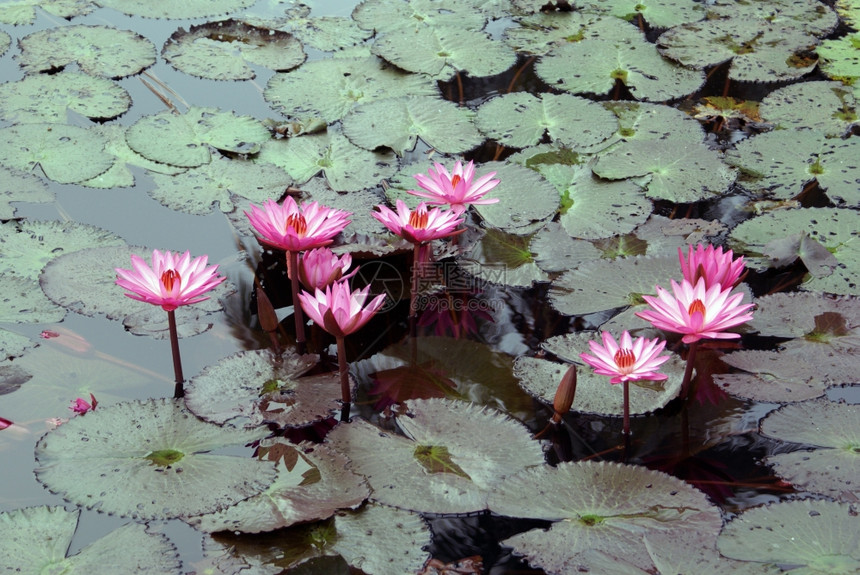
<point x="474" y="351"/>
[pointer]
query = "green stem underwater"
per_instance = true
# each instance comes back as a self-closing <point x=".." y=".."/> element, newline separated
<point x="179" y="390"/>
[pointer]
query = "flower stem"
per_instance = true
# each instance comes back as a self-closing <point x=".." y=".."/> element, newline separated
<point x="626" y="409"/>
<point x="688" y="372"/>
<point x="293" y="268"/>
<point x="178" y="390"/>
<point x="343" y="370"/>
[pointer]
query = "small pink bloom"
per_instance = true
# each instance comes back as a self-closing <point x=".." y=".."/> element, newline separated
<point x="81" y="406"/>
<point x="48" y="334"/>
<point x="321" y="267"/>
<point x="172" y="281"/>
<point x="294" y="228"/>
<point x="339" y="311"/>
<point x="419" y="225"/>
<point x="4" y="423"/>
<point x="627" y="360"/>
<point x="456" y="189"/>
<point x="696" y="311"/>
<point x="716" y="266"/>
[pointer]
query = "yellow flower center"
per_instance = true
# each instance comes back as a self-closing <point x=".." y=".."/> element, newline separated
<point x="170" y="278"/>
<point x="455" y="179"/>
<point x="298" y="223"/>
<point x="625" y="360"/>
<point x="418" y="220"/>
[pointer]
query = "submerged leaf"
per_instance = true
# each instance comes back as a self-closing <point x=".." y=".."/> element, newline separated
<point x="176" y="10"/>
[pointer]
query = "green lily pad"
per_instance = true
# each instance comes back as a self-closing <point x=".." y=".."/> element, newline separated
<point x="807" y="16"/>
<point x="329" y="89"/>
<point x="119" y="175"/>
<point x="594" y="393"/>
<point x="657" y="13"/>
<point x="540" y="33"/>
<point x="46" y="98"/>
<point x="250" y="387"/>
<point x="13" y="345"/>
<point x="837" y="59"/>
<point x="593" y="65"/>
<point x="503" y="259"/>
<point x="674" y="552"/>
<point x="670" y="170"/>
<point x="772" y="376"/>
<point x="66" y="154"/>
<point x="833" y="228"/>
<point x="21" y="303"/>
<point x="84" y="282"/>
<point x="21" y="187"/>
<point x="346" y="166"/>
<point x="149" y="460"/>
<point x="129" y="548"/>
<point x="813" y="536"/>
<point x="312" y="484"/>
<point x="23" y="12"/>
<point x="326" y="33"/>
<point x="177" y="11"/>
<point x="384" y="16"/>
<point x="520" y="119"/>
<point x="30" y="245"/>
<point x="761" y="48"/>
<point x="224" y="50"/>
<point x="197" y="190"/>
<point x="647" y="121"/>
<point x="526" y="200"/>
<point x="554" y="250"/>
<point x="833" y="467"/>
<point x="484" y="445"/>
<point x="97" y="50"/>
<point x="442" y="52"/>
<point x="795" y="315"/>
<point x="606" y="284"/>
<point x="397" y="123"/>
<point x="826" y="107"/>
<point x="184" y="140"/>
<point x="601" y="506"/>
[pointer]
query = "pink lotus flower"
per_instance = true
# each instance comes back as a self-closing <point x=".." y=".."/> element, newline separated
<point x="295" y="228"/>
<point x="338" y="311"/>
<point x="81" y="406"/>
<point x="627" y="360"/>
<point x="321" y="267"/>
<point x="712" y="264"/>
<point x="696" y="311"/>
<point x="419" y="225"/>
<point x="456" y="189"/>
<point x="172" y="281"/>
<point x="5" y="423"/>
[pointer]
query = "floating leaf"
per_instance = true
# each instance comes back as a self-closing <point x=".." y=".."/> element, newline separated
<point x="526" y="200"/>
<point x="21" y="187"/>
<point x="827" y="107"/>
<point x="22" y="12"/>
<point x="46" y="98"/>
<point x="184" y="140"/>
<point x="250" y="387"/>
<point x="129" y="548"/>
<point x="397" y="123"/>
<point x="838" y="59"/>
<point x="442" y="52"/>
<point x="772" y="376"/>
<point x="223" y="50"/>
<point x="97" y="50"/>
<point x="795" y="315"/>
<point x="658" y="13"/>
<point x="520" y="119"/>
<point x="149" y="459"/>
<point x="327" y="33"/>
<point x="485" y="445"/>
<point x="674" y="552"/>
<point x="66" y="154"/>
<point x="554" y="250"/>
<point x="815" y="536"/>
<point x="594" y="393"/>
<point x="538" y="34"/>
<point x="601" y="506"/>
<point x="594" y="65"/>
<point x="176" y="11"/>
<point x="22" y="303"/>
<point x="331" y="88"/>
<point x="606" y="284"/>
<point x="646" y="121"/>
<point x="832" y="427"/>
<point x="198" y="189"/>
<point x="503" y="259"/>
<point x="346" y="166"/>
<point x="384" y="16"/>
<point x="678" y="172"/>
<point x="312" y="484"/>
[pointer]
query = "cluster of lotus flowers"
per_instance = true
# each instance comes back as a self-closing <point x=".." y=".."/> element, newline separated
<point x="175" y="280"/>
<point x="701" y="306"/>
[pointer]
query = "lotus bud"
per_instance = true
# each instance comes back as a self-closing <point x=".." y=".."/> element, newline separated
<point x="564" y="394"/>
<point x="4" y="423"/>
